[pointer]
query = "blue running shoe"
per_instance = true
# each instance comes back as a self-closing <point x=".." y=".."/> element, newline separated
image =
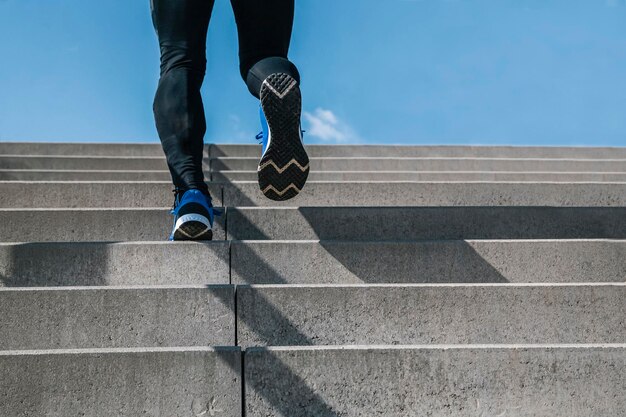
<point x="193" y="216"/>
<point x="284" y="165"/>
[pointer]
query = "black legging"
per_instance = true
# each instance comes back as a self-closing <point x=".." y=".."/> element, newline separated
<point x="264" y="28"/>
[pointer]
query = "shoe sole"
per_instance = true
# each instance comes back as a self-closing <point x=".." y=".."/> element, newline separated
<point x="193" y="230"/>
<point x="284" y="168"/>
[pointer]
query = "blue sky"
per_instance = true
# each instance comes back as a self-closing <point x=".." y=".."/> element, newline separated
<point x="513" y="72"/>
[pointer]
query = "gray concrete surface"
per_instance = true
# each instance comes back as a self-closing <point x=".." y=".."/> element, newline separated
<point x="319" y="164"/>
<point x="83" y="162"/>
<point x="83" y="175"/>
<point x="250" y="150"/>
<point x="272" y="262"/>
<point x="435" y="164"/>
<point x="408" y="314"/>
<point x="74" y="225"/>
<point x="96" y="263"/>
<point x="52" y="194"/>
<point x="435" y="381"/>
<point x="418" y="223"/>
<point x="111" y="317"/>
<point x="121" y="382"/>
<point x="230" y="176"/>
<point x="253" y="150"/>
<point x="83" y="149"/>
<point x="84" y="286"/>
<point x="436" y="194"/>
<point x="67" y="194"/>
<point x="451" y="261"/>
<point x="326" y="223"/>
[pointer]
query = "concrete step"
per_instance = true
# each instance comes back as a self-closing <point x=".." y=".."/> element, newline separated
<point x="126" y="163"/>
<point x="102" y="225"/>
<point x="406" y="314"/>
<point x="435" y="164"/>
<point x="121" y="382"/>
<point x="83" y="175"/>
<point x="324" y="223"/>
<point x="67" y="194"/>
<point x="254" y="150"/>
<point x="436" y="194"/>
<point x="218" y="150"/>
<point x="424" y="223"/>
<point x="452" y="261"/>
<point x="26" y="194"/>
<point x="325" y="262"/>
<point x="111" y="317"/>
<point x="115" y="264"/>
<point x="81" y="149"/>
<point x="230" y="176"/>
<point x="438" y="381"/>
<point x="328" y="262"/>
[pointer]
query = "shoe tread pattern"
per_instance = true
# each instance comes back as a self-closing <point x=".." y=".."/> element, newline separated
<point x="284" y="168"/>
<point x="193" y="230"/>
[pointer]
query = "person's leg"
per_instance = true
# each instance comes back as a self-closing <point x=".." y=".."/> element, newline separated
<point x="264" y="28"/>
<point x="181" y="26"/>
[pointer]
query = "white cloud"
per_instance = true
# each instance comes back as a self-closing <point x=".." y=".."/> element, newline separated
<point x="326" y="126"/>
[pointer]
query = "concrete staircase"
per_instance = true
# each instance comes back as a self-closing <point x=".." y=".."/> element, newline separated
<point x="404" y="281"/>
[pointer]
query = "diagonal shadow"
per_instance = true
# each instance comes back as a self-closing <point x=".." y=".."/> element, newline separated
<point x="29" y="265"/>
<point x="488" y="222"/>
<point x="351" y="262"/>
<point x="463" y="222"/>
<point x="315" y="403"/>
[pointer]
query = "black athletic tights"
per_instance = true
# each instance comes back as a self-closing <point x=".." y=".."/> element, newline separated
<point x="264" y="28"/>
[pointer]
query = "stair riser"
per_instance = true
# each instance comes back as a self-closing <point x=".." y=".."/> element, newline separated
<point x="396" y="223"/>
<point x="328" y="262"/>
<point x="229" y="176"/>
<point x="86" y="264"/>
<point x="253" y="150"/>
<point x="436" y="194"/>
<point x="326" y="223"/>
<point x="564" y="382"/>
<point x="113" y="318"/>
<point x="90" y="225"/>
<point x="83" y="175"/>
<point x="321" y="164"/>
<point x="476" y="261"/>
<point x="92" y="149"/>
<point x="218" y="150"/>
<point x="99" y="163"/>
<point x="469" y="164"/>
<point x="92" y="195"/>
<point x="408" y="315"/>
<point x="103" y="195"/>
<point x="125" y="384"/>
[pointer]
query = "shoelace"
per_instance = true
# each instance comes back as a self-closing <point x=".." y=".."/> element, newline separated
<point x="259" y="136"/>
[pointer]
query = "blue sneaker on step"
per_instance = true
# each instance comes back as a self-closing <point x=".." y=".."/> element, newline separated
<point x="193" y="216"/>
<point x="284" y="165"/>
